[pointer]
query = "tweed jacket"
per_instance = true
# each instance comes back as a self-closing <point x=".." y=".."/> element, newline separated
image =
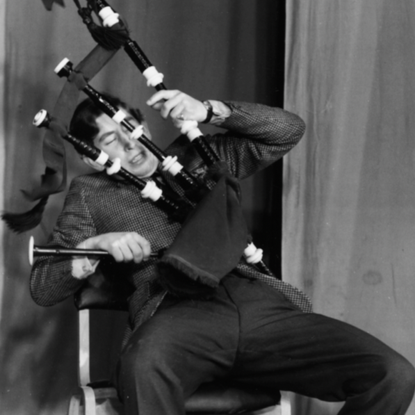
<point x="255" y="136"/>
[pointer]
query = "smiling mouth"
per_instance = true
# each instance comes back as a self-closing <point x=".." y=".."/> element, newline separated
<point x="137" y="158"/>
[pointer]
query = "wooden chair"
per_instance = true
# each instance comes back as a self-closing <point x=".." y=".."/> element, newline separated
<point x="100" y="398"/>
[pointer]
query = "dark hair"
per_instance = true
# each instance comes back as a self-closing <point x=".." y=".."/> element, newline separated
<point x="83" y="125"/>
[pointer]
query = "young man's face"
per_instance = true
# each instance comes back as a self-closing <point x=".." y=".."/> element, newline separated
<point x="116" y="142"/>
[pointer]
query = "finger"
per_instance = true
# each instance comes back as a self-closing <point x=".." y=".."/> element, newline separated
<point x="136" y="250"/>
<point x="170" y="104"/>
<point x="115" y="251"/>
<point x="161" y="96"/>
<point x="121" y="250"/>
<point x="126" y="251"/>
<point x="144" y="245"/>
<point x="178" y="112"/>
<point x="188" y="108"/>
<point x="177" y="123"/>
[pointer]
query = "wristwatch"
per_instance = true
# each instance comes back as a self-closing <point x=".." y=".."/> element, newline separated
<point x="209" y="110"/>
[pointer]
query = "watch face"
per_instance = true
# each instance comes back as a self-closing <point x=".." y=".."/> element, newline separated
<point x="207" y="105"/>
<point x="209" y="110"/>
<point x="217" y="112"/>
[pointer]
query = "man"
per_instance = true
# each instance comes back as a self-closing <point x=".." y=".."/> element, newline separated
<point x="247" y="330"/>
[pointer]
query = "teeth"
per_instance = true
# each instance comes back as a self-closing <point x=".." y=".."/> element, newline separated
<point x="137" y="158"/>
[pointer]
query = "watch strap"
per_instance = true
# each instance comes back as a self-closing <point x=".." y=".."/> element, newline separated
<point x="209" y="110"/>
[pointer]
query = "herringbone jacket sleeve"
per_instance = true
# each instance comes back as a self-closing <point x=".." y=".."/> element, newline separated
<point x="257" y="135"/>
<point x="51" y="278"/>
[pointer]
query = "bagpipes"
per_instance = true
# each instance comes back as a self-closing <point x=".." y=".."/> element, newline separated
<point x="148" y="189"/>
<point x="208" y="246"/>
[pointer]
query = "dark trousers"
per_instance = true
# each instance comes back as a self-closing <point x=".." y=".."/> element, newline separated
<point x="249" y="332"/>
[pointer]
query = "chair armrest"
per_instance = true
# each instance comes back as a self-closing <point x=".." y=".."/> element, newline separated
<point x="102" y="292"/>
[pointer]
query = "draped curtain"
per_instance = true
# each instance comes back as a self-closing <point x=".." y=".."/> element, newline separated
<point x="349" y="200"/>
<point x="217" y="49"/>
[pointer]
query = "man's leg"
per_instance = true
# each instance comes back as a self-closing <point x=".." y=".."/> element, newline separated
<point x="318" y="356"/>
<point x="184" y="344"/>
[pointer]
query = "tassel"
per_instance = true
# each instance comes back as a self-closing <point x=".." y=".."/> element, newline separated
<point x="181" y="285"/>
<point x="22" y="222"/>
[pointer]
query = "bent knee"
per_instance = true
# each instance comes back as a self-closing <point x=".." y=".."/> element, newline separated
<point x="400" y="374"/>
<point x="404" y="370"/>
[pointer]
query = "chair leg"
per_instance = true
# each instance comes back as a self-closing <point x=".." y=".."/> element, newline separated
<point x="83" y="405"/>
<point x="285" y="404"/>
<point x="273" y="410"/>
<point x="283" y="408"/>
<point x="90" y="401"/>
<point x="75" y="406"/>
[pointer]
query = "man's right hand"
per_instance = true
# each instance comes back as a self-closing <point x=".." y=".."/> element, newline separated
<point x="123" y="246"/>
